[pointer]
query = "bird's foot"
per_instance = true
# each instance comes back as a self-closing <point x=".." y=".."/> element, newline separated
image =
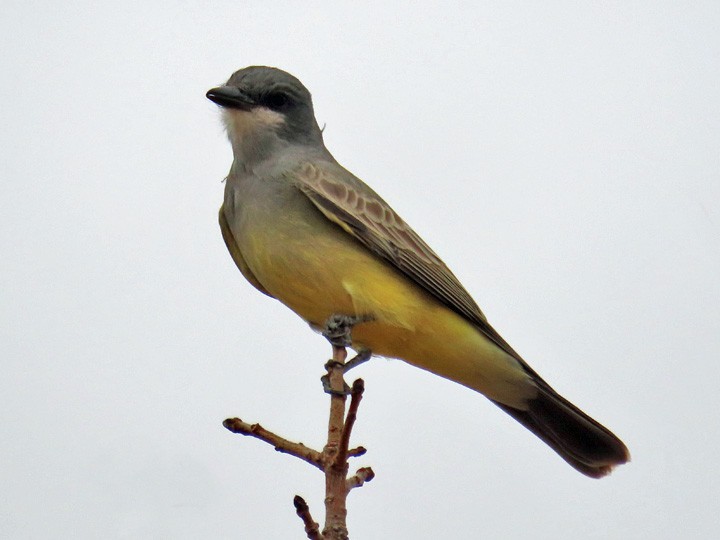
<point x="338" y="331"/>
<point x="338" y="328"/>
<point x="361" y="357"/>
<point x="327" y="387"/>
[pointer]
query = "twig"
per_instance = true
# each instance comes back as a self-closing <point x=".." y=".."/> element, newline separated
<point x="363" y="475"/>
<point x="358" y="388"/>
<point x="357" y="451"/>
<point x="336" y="466"/>
<point x="312" y="528"/>
<point x="333" y="460"/>
<point x="282" y="445"/>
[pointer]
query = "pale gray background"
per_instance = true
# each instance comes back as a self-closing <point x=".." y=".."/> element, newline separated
<point x="562" y="157"/>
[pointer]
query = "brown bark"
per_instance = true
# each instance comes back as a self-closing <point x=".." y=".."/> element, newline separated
<point x="333" y="460"/>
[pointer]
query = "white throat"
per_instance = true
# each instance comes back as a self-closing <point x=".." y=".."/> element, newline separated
<point x="253" y="134"/>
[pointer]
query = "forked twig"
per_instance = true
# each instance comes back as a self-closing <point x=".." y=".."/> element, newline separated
<point x="333" y="460"/>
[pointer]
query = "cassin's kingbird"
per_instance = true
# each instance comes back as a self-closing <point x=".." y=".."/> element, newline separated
<point x="304" y="230"/>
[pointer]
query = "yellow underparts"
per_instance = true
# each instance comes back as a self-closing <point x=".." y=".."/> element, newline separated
<point x="336" y="275"/>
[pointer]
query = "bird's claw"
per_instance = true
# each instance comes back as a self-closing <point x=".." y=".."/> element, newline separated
<point x="361" y="357"/>
<point x="327" y="387"/>
<point x="338" y="328"/>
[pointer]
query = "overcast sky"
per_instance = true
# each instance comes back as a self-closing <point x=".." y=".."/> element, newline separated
<point x="564" y="160"/>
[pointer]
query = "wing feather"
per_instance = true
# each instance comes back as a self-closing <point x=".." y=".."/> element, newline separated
<point x="362" y="213"/>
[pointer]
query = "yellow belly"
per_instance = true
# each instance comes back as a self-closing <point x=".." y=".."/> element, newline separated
<point x="330" y="273"/>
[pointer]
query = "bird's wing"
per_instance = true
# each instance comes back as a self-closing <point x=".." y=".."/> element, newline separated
<point x="348" y="202"/>
<point x="236" y="255"/>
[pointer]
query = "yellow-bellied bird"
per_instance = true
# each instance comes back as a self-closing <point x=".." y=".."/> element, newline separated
<point x="304" y="230"/>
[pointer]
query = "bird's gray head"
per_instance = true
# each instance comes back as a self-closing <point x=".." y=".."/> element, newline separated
<point x="266" y="109"/>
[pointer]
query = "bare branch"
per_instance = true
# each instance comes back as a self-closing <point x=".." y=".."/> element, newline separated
<point x="312" y="528"/>
<point x="299" y="450"/>
<point x="333" y="460"/>
<point x="335" y="470"/>
<point x="357" y="451"/>
<point x="363" y="475"/>
<point x="358" y="388"/>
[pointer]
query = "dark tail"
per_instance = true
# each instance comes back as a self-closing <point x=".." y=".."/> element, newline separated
<point x="581" y="441"/>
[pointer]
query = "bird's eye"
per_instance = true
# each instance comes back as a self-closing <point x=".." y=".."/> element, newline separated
<point x="277" y="100"/>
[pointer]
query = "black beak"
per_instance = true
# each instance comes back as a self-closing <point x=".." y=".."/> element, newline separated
<point x="231" y="97"/>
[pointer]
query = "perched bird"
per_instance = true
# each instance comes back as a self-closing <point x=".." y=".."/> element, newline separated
<point x="304" y="230"/>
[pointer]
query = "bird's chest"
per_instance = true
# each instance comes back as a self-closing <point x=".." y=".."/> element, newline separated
<point x="285" y="241"/>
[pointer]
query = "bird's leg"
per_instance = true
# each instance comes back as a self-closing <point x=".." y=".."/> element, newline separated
<point x="338" y="328"/>
<point x="338" y="331"/>
<point x="361" y="357"/>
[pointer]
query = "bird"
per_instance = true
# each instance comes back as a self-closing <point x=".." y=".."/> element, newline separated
<point x="304" y="230"/>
